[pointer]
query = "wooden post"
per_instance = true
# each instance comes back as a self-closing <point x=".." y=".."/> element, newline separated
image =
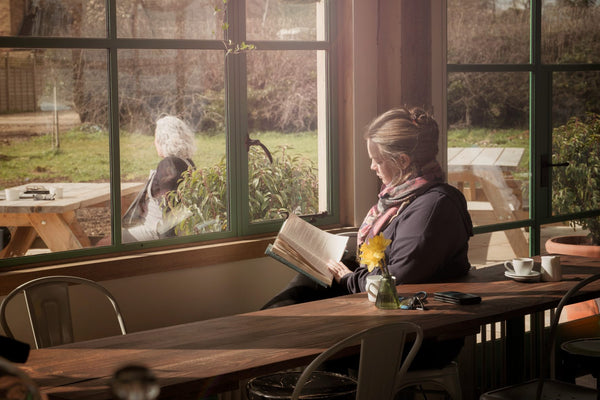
<point x="56" y="130"/>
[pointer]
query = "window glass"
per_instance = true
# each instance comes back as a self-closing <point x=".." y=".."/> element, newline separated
<point x="49" y="144"/>
<point x="172" y="117"/>
<point x="486" y="32"/>
<point x="488" y="146"/>
<point x="171" y="19"/>
<point x="492" y="248"/>
<point x="283" y="19"/>
<point x="283" y="114"/>
<point x="570" y="32"/>
<point x="576" y="146"/>
<point x="59" y="18"/>
<point x="278" y="95"/>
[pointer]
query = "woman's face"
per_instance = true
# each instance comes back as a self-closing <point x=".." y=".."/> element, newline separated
<point x="385" y="168"/>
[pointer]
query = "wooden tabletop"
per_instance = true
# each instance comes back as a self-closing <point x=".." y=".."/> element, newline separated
<point x="506" y="157"/>
<point x="211" y="356"/>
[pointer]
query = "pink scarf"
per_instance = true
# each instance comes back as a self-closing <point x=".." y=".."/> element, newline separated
<point x="392" y="200"/>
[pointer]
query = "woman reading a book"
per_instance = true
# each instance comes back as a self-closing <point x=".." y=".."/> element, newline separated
<point x="425" y="218"/>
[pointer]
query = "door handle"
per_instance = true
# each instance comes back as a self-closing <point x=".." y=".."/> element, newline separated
<point x="547" y="169"/>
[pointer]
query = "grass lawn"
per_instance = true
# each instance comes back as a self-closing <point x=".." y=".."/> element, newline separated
<point x="84" y="156"/>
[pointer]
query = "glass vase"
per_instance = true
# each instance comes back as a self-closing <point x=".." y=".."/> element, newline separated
<point x="387" y="297"/>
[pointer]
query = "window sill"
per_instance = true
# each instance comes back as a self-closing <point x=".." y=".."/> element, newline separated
<point x="123" y="265"/>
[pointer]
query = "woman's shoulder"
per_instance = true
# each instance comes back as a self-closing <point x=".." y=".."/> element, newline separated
<point x="444" y="191"/>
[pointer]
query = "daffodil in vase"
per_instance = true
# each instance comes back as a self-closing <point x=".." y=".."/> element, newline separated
<point x="372" y="254"/>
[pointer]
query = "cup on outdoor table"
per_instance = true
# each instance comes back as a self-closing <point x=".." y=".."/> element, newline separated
<point x="519" y="266"/>
<point x="57" y="191"/>
<point x="12" y="194"/>
<point x="551" y="268"/>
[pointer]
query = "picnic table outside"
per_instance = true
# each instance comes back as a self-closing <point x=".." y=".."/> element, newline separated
<point x="54" y="221"/>
<point x="485" y="176"/>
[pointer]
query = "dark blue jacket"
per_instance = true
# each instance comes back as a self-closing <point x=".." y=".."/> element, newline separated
<point x="429" y="241"/>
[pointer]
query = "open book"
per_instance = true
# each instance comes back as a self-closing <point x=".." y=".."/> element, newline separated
<point x="307" y="249"/>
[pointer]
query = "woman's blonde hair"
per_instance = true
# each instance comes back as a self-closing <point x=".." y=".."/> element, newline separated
<point x="404" y="130"/>
<point x="174" y="137"/>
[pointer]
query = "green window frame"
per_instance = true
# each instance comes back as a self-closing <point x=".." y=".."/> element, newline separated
<point x="235" y="76"/>
<point x="540" y="127"/>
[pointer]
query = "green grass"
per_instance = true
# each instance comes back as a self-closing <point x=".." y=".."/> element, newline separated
<point x="482" y="137"/>
<point x="83" y="156"/>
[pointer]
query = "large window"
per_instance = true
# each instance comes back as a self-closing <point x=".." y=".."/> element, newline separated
<point x="518" y="72"/>
<point x="84" y="86"/>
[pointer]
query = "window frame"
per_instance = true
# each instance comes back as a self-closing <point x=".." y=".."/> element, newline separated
<point x="540" y="128"/>
<point x="237" y="244"/>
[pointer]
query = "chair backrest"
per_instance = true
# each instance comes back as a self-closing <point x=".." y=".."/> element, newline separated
<point x="15" y="381"/>
<point x="381" y="359"/>
<point x="48" y="304"/>
<point x="551" y="342"/>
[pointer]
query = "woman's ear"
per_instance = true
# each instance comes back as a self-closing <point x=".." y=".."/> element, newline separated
<point x="404" y="161"/>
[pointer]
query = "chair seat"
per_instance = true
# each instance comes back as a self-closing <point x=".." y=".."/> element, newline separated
<point x="446" y="378"/>
<point x="321" y="385"/>
<point x="553" y="390"/>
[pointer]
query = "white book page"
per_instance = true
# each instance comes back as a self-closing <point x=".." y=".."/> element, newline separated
<point x="315" y="245"/>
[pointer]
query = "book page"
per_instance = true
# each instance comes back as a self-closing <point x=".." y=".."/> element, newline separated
<point x="315" y="245"/>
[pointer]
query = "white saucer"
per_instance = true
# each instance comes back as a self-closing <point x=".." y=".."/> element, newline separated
<point x="534" y="276"/>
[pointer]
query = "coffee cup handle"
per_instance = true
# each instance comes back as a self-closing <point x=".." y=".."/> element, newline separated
<point x="506" y="265"/>
<point x="370" y="289"/>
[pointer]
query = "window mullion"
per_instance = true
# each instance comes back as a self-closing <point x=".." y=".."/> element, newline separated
<point x="237" y="157"/>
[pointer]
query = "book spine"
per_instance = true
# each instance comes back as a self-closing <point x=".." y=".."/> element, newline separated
<point x="282" y="260"/>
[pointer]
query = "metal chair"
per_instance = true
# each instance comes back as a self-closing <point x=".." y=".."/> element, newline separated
<point x="381" y="364"/>
<point x="543" y="387"/>
<point x="48" y="303"/>
<point x="14" y="381"/>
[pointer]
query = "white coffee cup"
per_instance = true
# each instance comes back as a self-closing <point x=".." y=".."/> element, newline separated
<point x="12" y="194"/>
<point x="57" y="191"/>
<point x="551" y="268"/>
<point x="372" y="286"/>
<point x="519" y="266"/>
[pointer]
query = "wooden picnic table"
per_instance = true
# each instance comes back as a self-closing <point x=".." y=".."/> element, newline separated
<point x="485" y="174"/>
<point x="54" y="220"/>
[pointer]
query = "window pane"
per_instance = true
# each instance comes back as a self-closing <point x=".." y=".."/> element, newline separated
<point x="483" y="32"/>
<point x="59" y="18"/>
<point x="488" y="142"/>
<point x="170" y="19"/>
<point x="495" y="247"/>
<point x="284" y="114"/>
<point x="570" y="34"/>
<point x="284" y="20"/>
<point x="48" y="143"/>
<point x="576" y="141"/>
<point x="188" y="86"/>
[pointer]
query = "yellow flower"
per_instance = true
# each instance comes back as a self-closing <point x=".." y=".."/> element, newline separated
<point x="372" y="252"/>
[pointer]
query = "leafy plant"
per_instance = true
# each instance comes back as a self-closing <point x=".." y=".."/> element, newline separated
<point x="289" y="184"/>
<point x="577" y="186"/>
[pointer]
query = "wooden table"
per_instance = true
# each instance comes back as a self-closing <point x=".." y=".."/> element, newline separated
<point x="205" y="357"/>
<point x="54" y="220"/>
<point x="489" y="170"/>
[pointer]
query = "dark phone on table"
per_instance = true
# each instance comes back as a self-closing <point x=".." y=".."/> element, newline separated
<point x="457" y="297"/>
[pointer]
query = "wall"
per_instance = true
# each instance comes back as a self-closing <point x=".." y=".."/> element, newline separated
<point x="170" y="298"/>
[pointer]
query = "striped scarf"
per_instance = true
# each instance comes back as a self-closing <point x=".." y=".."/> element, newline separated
<point x="392" y="200"/>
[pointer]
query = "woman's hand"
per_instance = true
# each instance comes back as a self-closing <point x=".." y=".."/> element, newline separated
<point x="338" y="269"/>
